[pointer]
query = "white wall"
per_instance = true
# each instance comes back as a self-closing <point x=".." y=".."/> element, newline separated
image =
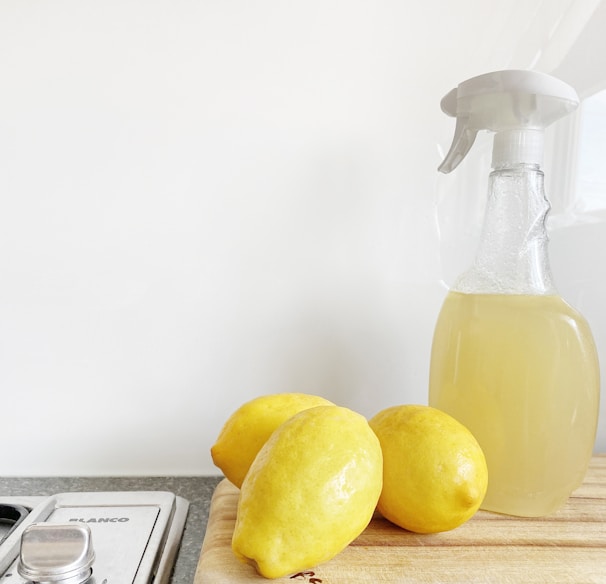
<point x="204" y="201"/>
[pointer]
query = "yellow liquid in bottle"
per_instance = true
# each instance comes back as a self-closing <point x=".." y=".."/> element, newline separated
<point x="521" y="372"/>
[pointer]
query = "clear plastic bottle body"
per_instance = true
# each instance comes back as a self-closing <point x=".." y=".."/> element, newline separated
<point x="514" y="362"/>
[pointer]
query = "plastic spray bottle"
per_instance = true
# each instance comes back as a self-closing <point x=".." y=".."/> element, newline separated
<point x="510" y="358"/>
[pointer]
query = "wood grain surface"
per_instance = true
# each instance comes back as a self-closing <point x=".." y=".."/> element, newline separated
<point x="566" y="547"/>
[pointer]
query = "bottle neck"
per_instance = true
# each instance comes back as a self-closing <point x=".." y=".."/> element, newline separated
<point x="513" y="254"/>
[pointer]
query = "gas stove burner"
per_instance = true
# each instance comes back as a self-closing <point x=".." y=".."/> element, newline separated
<point x="10" y="517"/>
<point x="91" y="538"/>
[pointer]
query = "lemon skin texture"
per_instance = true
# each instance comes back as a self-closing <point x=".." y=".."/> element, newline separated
<point x="249" y="427"/>
<point x="434" y="471"/>
<point x="310" y="492"/>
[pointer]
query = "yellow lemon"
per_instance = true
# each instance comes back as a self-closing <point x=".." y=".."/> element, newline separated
<point x="434" y="471"/>
<point x="249" y="427"/>
<point x="310" y="492"/>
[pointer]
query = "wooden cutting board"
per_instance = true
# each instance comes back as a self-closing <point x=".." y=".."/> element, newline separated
<point x="568" y="546"/>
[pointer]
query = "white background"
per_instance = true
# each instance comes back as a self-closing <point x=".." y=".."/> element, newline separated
<point x="205" y="201"/>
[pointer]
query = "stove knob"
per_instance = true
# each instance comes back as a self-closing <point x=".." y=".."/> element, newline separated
<point x="56" y="553"/>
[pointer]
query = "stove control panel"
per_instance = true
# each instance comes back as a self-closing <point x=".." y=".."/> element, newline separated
<point x="99" y="538"/>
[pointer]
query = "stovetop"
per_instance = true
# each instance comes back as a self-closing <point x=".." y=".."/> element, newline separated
<point x="94" y="538"/>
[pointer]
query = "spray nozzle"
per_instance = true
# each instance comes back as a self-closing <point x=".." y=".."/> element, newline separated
<point x="516" y="104"/>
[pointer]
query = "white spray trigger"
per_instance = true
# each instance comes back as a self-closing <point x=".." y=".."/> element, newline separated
<point x="462" y="142"/>
<point x="464" y="135"/>
<point x="516" y="104"/>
